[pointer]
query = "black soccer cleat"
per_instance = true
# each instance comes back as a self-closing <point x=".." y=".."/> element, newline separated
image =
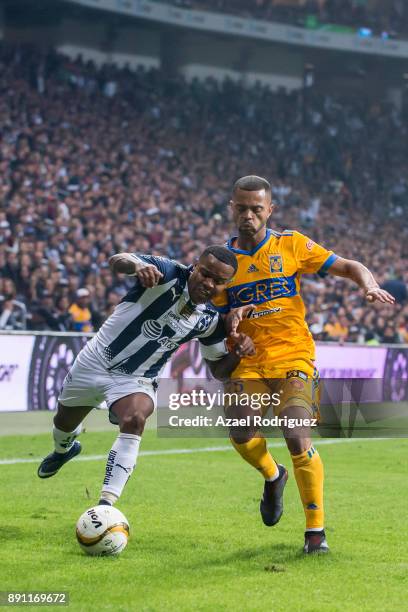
<point x="104" y="502"/>
<point x="54" y="461"/>
<point x="315" y="543"/>
<point x="271" y="506"/>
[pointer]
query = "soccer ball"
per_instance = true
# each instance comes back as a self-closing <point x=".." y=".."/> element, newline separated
<point x="102" y="530"/>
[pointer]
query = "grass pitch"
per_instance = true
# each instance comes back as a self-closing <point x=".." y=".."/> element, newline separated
<point x="197" y="540"/>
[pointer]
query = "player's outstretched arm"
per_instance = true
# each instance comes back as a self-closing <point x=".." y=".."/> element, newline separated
<point x="222" y="369"/>
<point x="127" y="263"/>
<point x="357" y="272"/>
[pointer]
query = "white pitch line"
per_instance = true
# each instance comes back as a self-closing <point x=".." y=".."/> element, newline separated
<point x="190" y="451"/>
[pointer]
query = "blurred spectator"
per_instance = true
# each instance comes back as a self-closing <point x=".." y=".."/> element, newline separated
<point x="403" y="330"/>
<point x="13" y="314"/>
<point x="62" y="315"/>
<point x="80" y="312"/>
<point x="57" y="317"/>
<point x="370" y="339"/>
<point x="354" y="335"/>
<point x="390" y="335"/>
<point x="337" y="328"/>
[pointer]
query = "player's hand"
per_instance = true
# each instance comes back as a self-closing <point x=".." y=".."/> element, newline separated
<point x="148" y="275"/>
<point x="243" y="345"/>
<point x="234" y="318"/>
<point x="379" y="295"/>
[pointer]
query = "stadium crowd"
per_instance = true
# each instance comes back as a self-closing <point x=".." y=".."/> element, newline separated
<point x="95" y="162"/>
<point x="389" y="16"/>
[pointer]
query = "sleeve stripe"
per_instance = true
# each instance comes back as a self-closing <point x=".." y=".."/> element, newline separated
<point x="327" y="264"/>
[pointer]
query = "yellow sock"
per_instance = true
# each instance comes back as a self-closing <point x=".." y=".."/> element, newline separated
<point x="256" y="454"/>
<point x="309" y="474"/>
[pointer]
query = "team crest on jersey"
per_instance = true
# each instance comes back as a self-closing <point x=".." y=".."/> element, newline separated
<point x="204" y="323"/>
<point x="275" y="263"/>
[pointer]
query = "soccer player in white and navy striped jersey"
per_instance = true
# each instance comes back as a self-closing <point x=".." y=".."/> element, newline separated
<point x="168" y="306"/>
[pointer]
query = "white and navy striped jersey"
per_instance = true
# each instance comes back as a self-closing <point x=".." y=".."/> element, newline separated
<point x="149" y="324"/>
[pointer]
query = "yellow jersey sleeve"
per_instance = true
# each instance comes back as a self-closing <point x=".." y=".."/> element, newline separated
<point x="311" y="257"/>
<point x="220" y="302"/>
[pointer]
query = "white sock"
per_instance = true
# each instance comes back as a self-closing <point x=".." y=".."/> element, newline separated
<point x="64" y="440"/>
<point x="121" y="461"/>
<point x="273" y="477"/>
<point x="316" y="529"/>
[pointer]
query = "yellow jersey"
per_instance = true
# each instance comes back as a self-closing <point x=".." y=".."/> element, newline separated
<point x="81" y="317"/>
<point x="268" y="277"/>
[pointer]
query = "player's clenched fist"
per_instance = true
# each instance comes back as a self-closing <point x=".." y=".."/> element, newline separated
<point x="132" y="265"/>
<point x="148" y="275"/>
<point x="242" y="345"/>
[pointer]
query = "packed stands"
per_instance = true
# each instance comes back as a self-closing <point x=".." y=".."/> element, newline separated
<point x="97" y="161"/>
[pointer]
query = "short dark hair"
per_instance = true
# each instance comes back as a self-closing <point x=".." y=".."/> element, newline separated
<point x="252" y="183"/>
<point x="222" y="254"/>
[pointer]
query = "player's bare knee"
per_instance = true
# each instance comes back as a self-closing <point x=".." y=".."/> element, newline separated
<point x="241" y="436"/>
<point x="133" y="423"/>
<point x="296" y="428"/>
<point x="297" y="446"/>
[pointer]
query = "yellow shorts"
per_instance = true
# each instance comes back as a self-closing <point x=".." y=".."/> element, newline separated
<point x="263" y="387"/>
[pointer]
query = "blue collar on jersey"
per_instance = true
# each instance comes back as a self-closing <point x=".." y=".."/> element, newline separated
<point x="254" y="250"/>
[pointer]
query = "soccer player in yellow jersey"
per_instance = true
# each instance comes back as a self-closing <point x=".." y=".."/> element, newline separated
<point x="264" y="300"/>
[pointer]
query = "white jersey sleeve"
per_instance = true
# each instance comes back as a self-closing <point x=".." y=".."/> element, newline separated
<point x="213" y="344"/>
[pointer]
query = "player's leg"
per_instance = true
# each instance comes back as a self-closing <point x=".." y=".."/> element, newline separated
<point x="245" y="439"/>
<point x="307" y="464"/>
<point x="77" y="398"/>
<point x="252" y="447"/>
<point x="67" y="426"/>
<point x="131" y="413"/>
